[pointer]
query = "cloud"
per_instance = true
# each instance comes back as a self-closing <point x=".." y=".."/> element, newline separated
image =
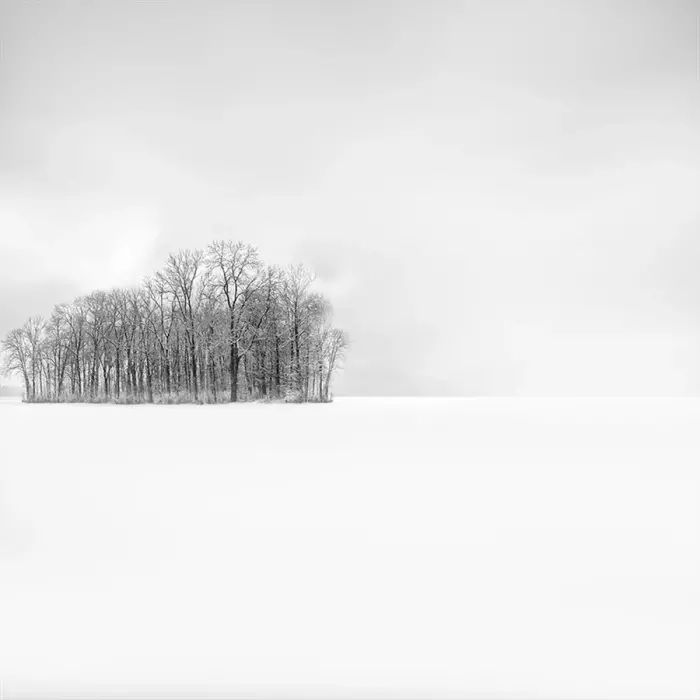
<point x="496" y="197"/>
<point x="80" y="243"/>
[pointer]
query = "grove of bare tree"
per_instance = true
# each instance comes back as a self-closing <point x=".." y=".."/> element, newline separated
<point x="213" y="325"/>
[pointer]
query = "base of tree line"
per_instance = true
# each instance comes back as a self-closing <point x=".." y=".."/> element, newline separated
<point x="173" y="399"/>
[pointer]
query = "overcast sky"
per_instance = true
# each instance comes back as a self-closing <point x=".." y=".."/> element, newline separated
<point x="498" y="197"/>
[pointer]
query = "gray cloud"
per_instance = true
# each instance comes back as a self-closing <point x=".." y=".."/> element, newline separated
<point x="498" y="197"/>
<point x="18" y="301"/>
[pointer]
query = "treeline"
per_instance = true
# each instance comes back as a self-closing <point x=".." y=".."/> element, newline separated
<point x="211" y="326"/>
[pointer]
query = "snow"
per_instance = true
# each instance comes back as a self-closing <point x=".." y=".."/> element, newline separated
<point x="513" y="548"/>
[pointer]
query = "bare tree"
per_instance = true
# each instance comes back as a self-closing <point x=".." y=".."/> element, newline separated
<point x="237" y="275"/>
<point x="17" y="353"/>
<point x="180" y="279"/>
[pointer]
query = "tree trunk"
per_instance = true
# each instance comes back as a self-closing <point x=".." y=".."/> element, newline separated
<point x="149" y="380"/>
<point x="277" y="366"/>
<point x="193" y="351"/>
<point x="233" y="369"/>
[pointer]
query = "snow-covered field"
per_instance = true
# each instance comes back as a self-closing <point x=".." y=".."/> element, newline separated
<point x="370" y="548"/>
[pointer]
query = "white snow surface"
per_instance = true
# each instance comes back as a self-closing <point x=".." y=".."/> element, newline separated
<point x="432" y="548"/>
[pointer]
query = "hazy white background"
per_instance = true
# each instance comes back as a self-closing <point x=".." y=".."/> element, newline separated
<point x="499" y="197"/>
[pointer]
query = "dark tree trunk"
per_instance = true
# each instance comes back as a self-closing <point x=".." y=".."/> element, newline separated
<point x="149" y="380"/>
<point x="233" y="369"/>
<point x="277" y="366"/>
<point x="193" y="352"/>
